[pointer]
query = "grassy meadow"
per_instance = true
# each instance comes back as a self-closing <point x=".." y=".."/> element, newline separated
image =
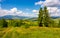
<point x="29" y="29"/>
<point x="31" y="32"/>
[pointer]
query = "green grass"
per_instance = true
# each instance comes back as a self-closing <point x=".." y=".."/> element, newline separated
<point x="32" y="32"/>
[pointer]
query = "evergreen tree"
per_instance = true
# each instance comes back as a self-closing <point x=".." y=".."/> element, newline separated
<point x="40" y="18"/>
<point x="46" y="17"/>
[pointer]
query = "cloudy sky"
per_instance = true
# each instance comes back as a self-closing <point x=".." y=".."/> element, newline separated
<point x="28" y="7"/>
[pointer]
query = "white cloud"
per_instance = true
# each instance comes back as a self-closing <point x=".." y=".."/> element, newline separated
<point x="15" y="11"/>
<point x="27" y="14"/>
<point x="54" y="11"/>
<point x="52" y="6"/>
<point x="49" y="3"/>
<point x="35" y="11"/>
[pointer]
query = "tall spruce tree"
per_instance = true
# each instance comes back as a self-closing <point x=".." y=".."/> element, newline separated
<point x="40" y="18"/>
<point x="46" y="17"/>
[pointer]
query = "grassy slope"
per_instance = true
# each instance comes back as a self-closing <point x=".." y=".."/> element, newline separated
<point x="32" y="32"/>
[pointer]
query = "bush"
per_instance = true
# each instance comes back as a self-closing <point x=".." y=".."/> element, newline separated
<point x="3" y="23"/>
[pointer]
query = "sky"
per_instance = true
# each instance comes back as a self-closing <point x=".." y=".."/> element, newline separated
<point x="29" y="8"/>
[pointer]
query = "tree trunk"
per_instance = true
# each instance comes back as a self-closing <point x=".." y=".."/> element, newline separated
<point x="40" y="25"/>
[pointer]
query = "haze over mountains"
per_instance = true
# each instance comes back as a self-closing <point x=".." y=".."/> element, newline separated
<point x="22" y="17"/>
<point x="13" y="17"/>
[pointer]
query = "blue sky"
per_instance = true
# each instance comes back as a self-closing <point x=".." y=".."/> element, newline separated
<point x="28" y="7"/>
<point x="20" y="4"/>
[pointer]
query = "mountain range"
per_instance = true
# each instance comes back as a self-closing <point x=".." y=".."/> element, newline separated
<point x="22" y="17"/>
<point x="13" y="17"/>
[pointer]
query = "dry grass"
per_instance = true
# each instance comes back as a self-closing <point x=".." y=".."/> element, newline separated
<point x="31" y="32"/>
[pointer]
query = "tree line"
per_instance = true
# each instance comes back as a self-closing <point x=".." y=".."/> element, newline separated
<point x="16" y="23"/>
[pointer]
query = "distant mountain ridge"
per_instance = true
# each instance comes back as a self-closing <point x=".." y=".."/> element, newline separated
<point x="13" y="17"/>
<point x="22" y="17"/>
<point x="54" y="17"/>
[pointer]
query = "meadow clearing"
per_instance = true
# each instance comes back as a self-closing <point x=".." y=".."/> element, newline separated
<point x="31" y="32"/>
